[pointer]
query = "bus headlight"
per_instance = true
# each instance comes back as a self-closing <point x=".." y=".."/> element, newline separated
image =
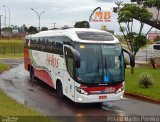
<point x="81" y="91"/>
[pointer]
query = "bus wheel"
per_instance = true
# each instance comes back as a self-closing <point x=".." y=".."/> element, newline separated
<point x="32" y="77"/>
<point x="100" y="104"/>
<point x="59" y="90"/>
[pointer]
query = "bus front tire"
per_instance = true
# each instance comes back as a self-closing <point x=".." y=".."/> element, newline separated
<point x="59" y="90"/>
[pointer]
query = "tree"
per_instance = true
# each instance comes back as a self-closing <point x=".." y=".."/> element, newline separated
<point x="150" y="4"/>
<point x="15" y="28"/>
<point x="32" y="30"/>
<point x="82" y="24"/>
<point x="7" y="29"/>
<point x="126" y="16"/>
<point x="157" y="38"/>
<point x="44" y="28"/>
<point x="24" y="28"/>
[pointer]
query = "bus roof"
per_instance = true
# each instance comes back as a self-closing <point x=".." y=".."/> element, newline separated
<point x="72" y="33"/>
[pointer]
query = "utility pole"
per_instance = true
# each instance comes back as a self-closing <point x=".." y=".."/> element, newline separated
<point x="9" y="12"/>
<point x="54" y="25"/>
<point x="5" y="18"/>
<point x="0" y="26"/>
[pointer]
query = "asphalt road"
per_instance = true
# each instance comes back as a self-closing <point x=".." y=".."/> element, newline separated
<point x="42" y="98"/>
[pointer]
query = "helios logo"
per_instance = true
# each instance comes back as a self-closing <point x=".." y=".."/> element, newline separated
<point x="51" y="60"/>
<point x="100" y="16"/>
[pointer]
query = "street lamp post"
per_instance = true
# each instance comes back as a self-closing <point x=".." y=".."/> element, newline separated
<point x="39" y="17"/>
<point x="0" y="26"/>
<point x="8" y="13"/>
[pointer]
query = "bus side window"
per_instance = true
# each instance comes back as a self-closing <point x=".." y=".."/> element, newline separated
<point x="59" y="48"/>
<point x="46" y="45"/>
<point x="53" y="47"/>
<point x="59" y="44"/>
<point x="50" y="46"/>
<point x="67" y="40"/>
<point x="32" y="43"/>
<point x="39" y="44"/>
<point x="36" y="44"/>
<point x="43" y="44"/>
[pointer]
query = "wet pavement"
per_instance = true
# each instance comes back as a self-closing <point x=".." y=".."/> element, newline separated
<point x="42" y="98"/>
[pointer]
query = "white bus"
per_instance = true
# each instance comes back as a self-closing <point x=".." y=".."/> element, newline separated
<point x="85" y="65"/>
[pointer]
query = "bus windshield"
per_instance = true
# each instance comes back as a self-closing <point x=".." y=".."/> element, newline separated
<point x="100" y="63"/>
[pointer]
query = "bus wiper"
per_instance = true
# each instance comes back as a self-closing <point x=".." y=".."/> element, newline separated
<point x="106" y="65"/>
<point x="98" y="67"/>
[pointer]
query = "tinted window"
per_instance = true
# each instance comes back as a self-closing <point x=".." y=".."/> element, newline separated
<point x="52" y="44"/>
<point x="156" y="47"/>
<point x="58" y="39"/>
<point x="67" y="40"/>
<point x="95" y="36"/>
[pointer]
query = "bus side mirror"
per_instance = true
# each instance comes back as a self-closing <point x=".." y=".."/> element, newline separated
<point x="131" y="56"/>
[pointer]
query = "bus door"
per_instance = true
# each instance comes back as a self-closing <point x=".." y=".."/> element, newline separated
<point x="69" y="83"/>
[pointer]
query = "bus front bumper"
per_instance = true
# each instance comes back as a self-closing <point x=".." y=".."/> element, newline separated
<point x="95" y="98"/>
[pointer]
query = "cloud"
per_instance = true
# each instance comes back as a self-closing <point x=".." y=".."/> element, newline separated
<point x="62" y="12"/>
<point x="107" y="1"/>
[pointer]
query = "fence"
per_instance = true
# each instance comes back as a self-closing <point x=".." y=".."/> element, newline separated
<point x="11" y="49"/>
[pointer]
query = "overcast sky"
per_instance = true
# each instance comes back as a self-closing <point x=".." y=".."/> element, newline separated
<point x="61" y="12"/>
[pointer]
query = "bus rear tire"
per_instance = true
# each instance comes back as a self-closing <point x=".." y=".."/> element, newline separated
<point x="59" y="90"/>
<point x="32" y="77"/>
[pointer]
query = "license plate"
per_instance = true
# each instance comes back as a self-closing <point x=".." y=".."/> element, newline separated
<point x="102" y="97"/>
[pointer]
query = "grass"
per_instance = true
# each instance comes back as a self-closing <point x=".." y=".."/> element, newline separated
<point x="3" y="67"/>
<point x="132" y="85"/>
<point x="19" y="112"/>
<point x="11" y="48"/>
<point x="9" y="107"/>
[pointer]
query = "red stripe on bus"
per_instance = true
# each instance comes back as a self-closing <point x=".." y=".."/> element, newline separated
<point x="44" y="76"/>
<point x="26" y="58"/>
<point x="100" y="88"/>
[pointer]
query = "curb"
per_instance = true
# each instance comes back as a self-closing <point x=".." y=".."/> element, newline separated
<point x="143" y="98"/>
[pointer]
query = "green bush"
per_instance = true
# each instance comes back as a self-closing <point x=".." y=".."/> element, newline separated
<point x="145" y="80"/>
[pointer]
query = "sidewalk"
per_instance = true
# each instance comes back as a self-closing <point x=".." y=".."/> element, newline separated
<point x="142" y="62"/>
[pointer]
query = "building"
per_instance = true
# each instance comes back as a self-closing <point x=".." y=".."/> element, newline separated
<point x="104" y="28"/>
<point x="153" y="34"/>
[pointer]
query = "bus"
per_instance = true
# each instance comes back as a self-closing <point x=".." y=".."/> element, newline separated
<point x="155" y="53"/>
<point x="85" y="65"/>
